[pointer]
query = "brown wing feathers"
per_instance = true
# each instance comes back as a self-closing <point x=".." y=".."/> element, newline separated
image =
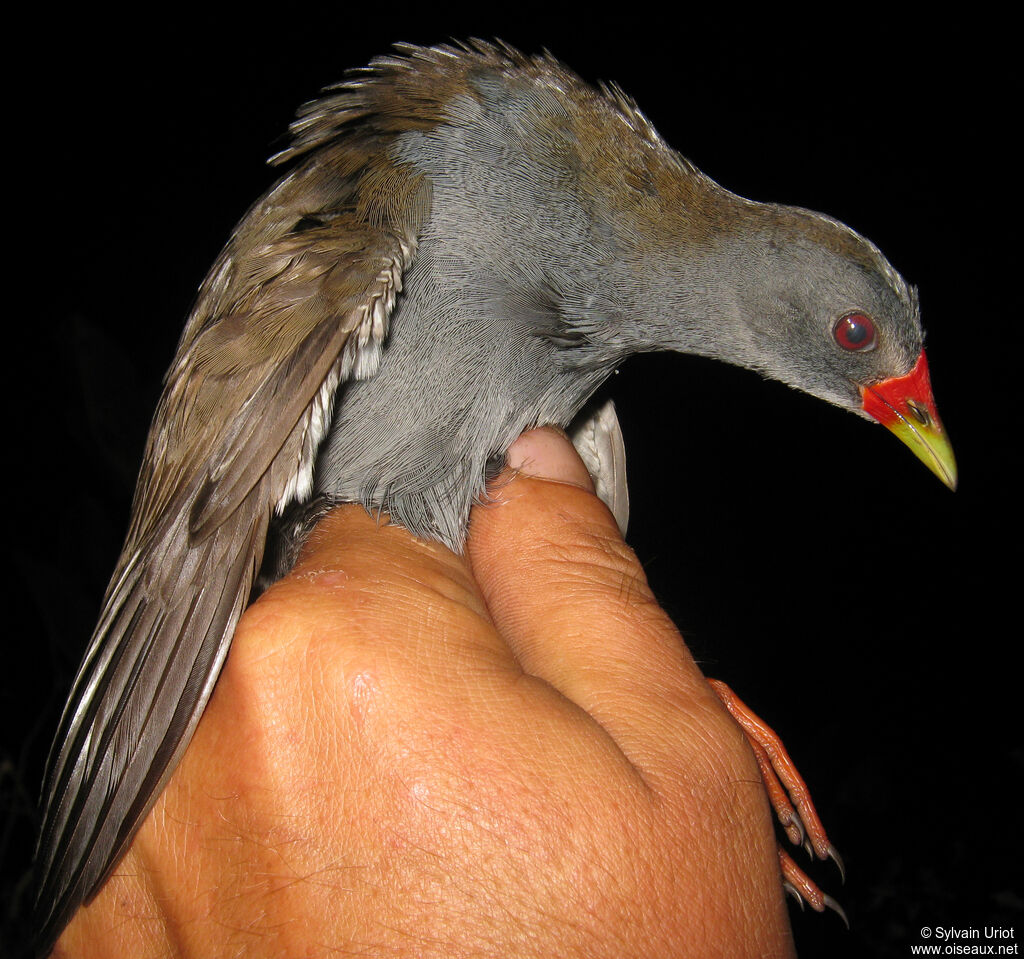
<point x="278" y="323"/>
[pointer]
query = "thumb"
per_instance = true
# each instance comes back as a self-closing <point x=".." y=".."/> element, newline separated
<point x="548" y="454"/>
<point x="571" y="600"/>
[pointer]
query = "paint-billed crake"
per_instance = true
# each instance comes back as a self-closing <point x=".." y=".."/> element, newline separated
<point x="465" y="244"/>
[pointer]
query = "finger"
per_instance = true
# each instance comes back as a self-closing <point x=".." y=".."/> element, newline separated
<point x="572" y="601"/>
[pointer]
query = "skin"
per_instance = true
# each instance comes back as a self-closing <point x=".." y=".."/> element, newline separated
<point x="413" y="753"/>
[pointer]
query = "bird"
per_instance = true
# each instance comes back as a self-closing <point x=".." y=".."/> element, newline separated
<point x="465" y="243"/>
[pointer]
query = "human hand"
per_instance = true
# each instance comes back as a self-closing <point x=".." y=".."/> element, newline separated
<point x="409" y="752"/>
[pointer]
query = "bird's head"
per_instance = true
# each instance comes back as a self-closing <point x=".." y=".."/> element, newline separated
<point x="814" y="305"/>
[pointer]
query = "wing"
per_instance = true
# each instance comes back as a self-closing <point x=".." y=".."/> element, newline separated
<point x="298" y="302"/>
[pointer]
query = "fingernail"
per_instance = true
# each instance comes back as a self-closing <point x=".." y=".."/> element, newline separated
<point x="547" y="453"/>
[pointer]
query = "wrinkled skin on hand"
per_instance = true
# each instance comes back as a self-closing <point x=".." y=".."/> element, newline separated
<point x="413" y="753"/>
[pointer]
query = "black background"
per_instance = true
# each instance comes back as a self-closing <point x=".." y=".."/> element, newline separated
<point x="867" y="613"/>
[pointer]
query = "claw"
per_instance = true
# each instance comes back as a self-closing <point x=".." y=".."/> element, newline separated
<point x="794" y="828"/>
<point x="830" y="903"/>
<point x="789" y="888"/>
<point x="833" y="854"/>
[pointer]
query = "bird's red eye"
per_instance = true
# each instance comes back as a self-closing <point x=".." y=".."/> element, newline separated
<point x="855" y="332"/>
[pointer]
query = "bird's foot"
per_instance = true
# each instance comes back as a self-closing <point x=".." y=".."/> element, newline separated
<point x="803" y="889"/>
<point x="791" y="800"/>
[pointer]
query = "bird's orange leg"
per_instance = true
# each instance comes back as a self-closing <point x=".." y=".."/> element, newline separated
<point x="791" y="800"/>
